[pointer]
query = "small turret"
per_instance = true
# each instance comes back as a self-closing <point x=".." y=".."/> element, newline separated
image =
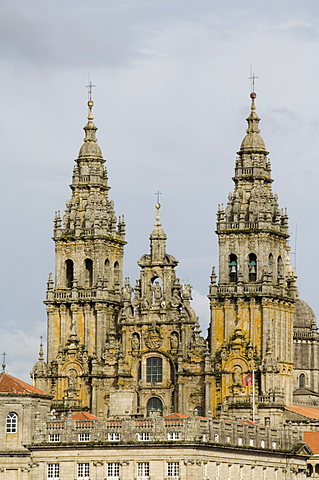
<point x="158" y="238"/>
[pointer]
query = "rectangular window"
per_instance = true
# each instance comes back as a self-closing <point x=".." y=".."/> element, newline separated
<point x="143" y="436"/>
<point x="113" y="471"/>
<point x="53" y="471"/>
<point x="113" y="437"/>
<point x="174" y="436"/>
<point x="54" y="437"/>
<point x="83" y="471"/>
<point x="173" y="470"/>
<point x="262" y="443"/>
<point x="216" y="437"/>
<point x="143" y="470"/>
<point x="154" y="369"/>
<point x="84" y="437"/>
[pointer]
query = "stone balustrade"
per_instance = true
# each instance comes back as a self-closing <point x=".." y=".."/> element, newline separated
<point x="156" y="429"/>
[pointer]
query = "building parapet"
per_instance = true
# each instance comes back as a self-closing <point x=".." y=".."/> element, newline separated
<point x="241" y="433"/>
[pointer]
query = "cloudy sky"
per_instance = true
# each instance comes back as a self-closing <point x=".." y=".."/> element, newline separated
<point x="171" y="98"/>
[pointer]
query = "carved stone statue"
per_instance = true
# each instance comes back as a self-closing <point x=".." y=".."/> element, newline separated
<point x="157" y="292"/>
<point x="135" y="342"/>
<point x="237" y="376"/>
<point x="174" y="341"/>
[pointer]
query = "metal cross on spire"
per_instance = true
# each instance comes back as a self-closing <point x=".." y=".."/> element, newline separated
<point x="252" y="83"/>
<point x="158" y="193"/>
<point x="89" y="87"/>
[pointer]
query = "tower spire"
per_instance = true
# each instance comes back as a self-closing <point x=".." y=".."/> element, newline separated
<point x="158" y="237"/>
<point x="90" y="148"/>
<point x="253" y="142"/>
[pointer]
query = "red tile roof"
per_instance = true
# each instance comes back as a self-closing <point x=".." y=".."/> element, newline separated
<point x="312" y="440"/>
<point x="83" y="416"/>
<point x="176" y="415"/>
<point x="9" y="384"/>
<point x="310" y="412"/>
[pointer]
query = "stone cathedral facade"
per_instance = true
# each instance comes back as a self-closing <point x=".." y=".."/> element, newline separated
<point x="114" y="349"/>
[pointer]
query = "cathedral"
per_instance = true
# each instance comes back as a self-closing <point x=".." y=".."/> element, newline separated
<point x="114" y="348"/>
<point x="129" y="386"/>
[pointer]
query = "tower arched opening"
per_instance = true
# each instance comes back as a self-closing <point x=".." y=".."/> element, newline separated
<point x="232" y="268"/>
<point x="88" y="272"/>
<point x="252" y="267"/>
<point x="69" y="273"/>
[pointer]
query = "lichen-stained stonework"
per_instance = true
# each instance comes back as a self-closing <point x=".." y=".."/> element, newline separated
<point x="84" y="301"/>
<point x="114" y="349"/>
<point x="161" y="331"/>
<point x="111" y="351"/>
<point x="252" y="304"/>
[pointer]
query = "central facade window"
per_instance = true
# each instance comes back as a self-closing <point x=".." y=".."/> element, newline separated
<point x="154" y="369"/>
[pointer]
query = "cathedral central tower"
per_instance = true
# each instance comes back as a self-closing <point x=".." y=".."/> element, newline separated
<point x="252" y="305"/>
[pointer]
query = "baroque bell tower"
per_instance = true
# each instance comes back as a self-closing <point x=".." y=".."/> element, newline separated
<point x="252" y="305"/>
<point x="83" y="302"/>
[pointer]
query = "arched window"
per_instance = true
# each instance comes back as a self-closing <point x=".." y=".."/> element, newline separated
<point x="271" y="265"/>
<point x="69" y="271"/>
<point x="279" y="268"/>
<point x="139" y="372"/>
<point x="252" y="267"/>
<point x="107" y="269"/>
<point x="172" y="372"/>
<point x="12" y="422"/>
<point x="116" y="273"/>
<point x="154" y="369"/>
<point x="232" y="268"/>
<point x="154" y="403"/>
<point x="199" y="411"/>
<point x="302" y="380"/>
<point x="88" y="272"/>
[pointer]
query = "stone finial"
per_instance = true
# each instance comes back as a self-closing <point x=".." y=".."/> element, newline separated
<point x="41" y="355"/>
<point x="158" y="238"/>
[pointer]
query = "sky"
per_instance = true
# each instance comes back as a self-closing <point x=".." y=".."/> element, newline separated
<point x="171" y="99"/>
